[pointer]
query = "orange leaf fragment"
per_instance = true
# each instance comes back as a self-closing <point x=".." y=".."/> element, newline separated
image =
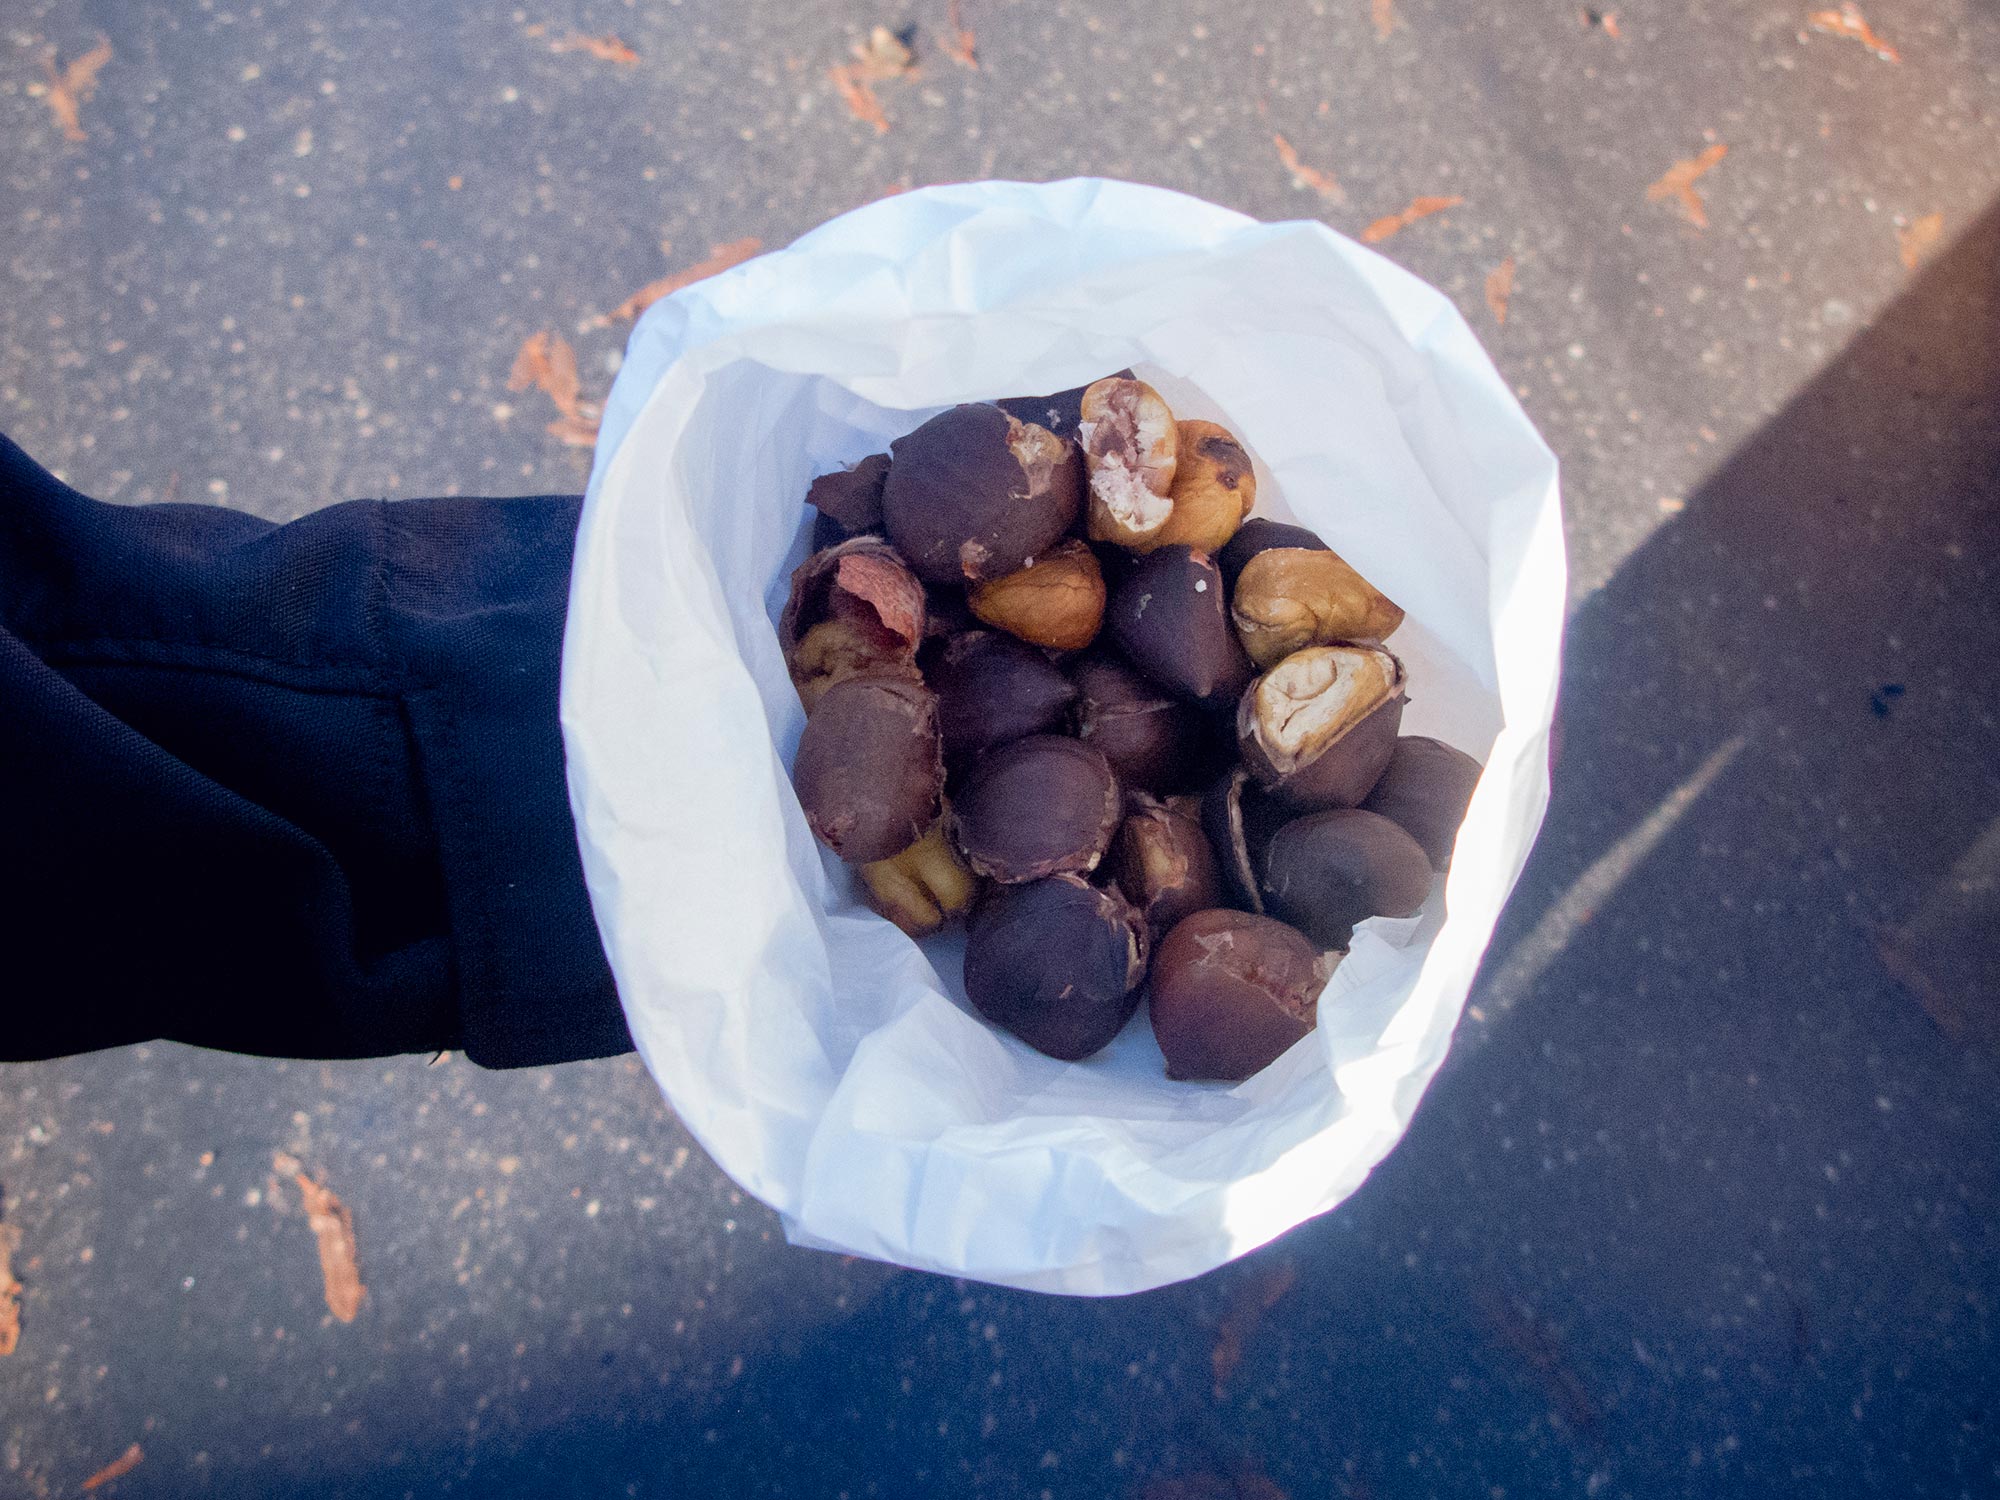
<point x="1383" y="14"/>
<point x="859" y="96"/>
<point x="547" y="362"/>
<point x="957" y="41"/>
<point x="1850" y="23"/>
<point x="604" y="48"/>
<point x="1420" y="208"/>
<point x="10" y="1290"/>
<point x="1304" y="176"/>
<point x="1914" y="243"/>
<point x="1246" y="1310"/>
<point x="1677" y="183"/>
<point x="720" y="258"/>
<point x="70" y="89"/>
<point x="1499" y="287"/>
<point x="118" y="1468"/>
<point x="333" y="1226"/>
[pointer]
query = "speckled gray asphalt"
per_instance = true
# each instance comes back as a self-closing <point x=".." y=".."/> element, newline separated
<point x="1703" y="1202"/>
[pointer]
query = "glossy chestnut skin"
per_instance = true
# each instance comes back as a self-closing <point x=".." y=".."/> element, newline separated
<point x="1153" y="741"/>
<point x="1426" y="788"/>
<point x="852" y="498"/>
<point x="992" y="689"/>
<point x="1326" y="872"/>
<point x="1317" y="729"/>
<point x="1168" y="617"/>
<point x="1056" y="601"/>
<point x="1230" y="992"/>
<point x="1240" y="818"/>
<point x="1040" y="806"/>
<point x="1162" y="862"/>
<point x="870" y="767"/>
<point x="1057" y="962"/>
<point x="975" y="493"/>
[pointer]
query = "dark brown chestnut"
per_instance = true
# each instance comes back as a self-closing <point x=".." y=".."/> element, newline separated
<point x="852" y="498"/>
<point x="1162" y="862"/>
<point x="854" y="608"/>
<point x="870" y="767"/>
<point x="1059" y="413"/>
<point x="1231" y="991"/>
<point x="1327" y="871"/>
<point x="991" y="689"/>
<point x="1152" y="740"/>
<point x="1426" y="788"/>
<point x="1318" y="728"/>
<point x="1044" y="805"/>
<point x="1170" y="620"/>
<point x="975" y="493"/>
<point x="1239" y="818"/>
<point x="1260" y="534"/>
<point x="1057" y="962"/>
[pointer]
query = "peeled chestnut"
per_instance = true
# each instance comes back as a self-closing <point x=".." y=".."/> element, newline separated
<point x="1318" y="728"/>
<point x="854" y="608"/>
<point x="1044" y="805"/>
<point x="870" y="769"/>
<point x="1168" y="617"/>
<point x="1326" y="872"/>
<point x="921" y="888"/>
<point x="1260" y="534"/>
<point x="1239" y="818"/>
<point x="1057" y="962"/>
<point x="852" y="498"/>
<point x="1152" y="739"/>
<point x="1232" y="991"/>
<point x="975" y="493"/>
<point x="1288" y="598"/>
<point x="1059" y="413"/>
<point x="1162" y="862"/>
<point x="1056" y="601"/>
<point x="1426" y="788"/>
<point x="991" y="689"/>
<point x="1214" y="488"/>
<point x="1130" y="446"/>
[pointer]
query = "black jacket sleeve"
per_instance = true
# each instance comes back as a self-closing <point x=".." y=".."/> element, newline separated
<point x="293" y="790"/>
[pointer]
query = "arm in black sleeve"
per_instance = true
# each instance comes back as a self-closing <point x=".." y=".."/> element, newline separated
<point x="293" y="790"/>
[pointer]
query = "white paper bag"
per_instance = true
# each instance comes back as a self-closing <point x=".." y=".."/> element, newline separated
<point x="827" y="1062"/>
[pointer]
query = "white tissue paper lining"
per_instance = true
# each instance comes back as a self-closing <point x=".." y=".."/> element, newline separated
<point x="828" y="1063"/>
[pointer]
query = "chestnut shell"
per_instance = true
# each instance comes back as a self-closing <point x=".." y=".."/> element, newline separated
<point x="992" y="689"/>
<point x="1334" y="770"/>
<point x="1040" y="806"/>
<point x="870" y="768"/>
<point x="1059" y="413"/>
<point x="1057" y="962"/>
<point x="975" y="493"/>
<point x="1152" y="739"/>
<point x="1170" y="619"/>
<point x="1260" y="534"/>
<point x="1239" y="818"/>
<point x="1328" y="871"/>
<point x="1230" y="992"/>
<point x="852" y="498"/>
<point x="1426" y="788"/>
<point x="1162" y="862"/>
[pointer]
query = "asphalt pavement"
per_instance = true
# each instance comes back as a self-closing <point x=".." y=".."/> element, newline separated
<point x="1703" y="1202"/>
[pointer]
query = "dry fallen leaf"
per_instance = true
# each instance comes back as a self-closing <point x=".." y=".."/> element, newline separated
<point x="859" y="97"/>
<point x="1849" y="22"/>
<point x="547" y="362"/>
<point x="1499" y="287"/>
<point x="333" y="1226"/>
<point x="1678" y="183"/>
<point x="118" y="1468"/>
<point x="1383" y="14"/>
<point x="883" y="56"/>
<point x="1608" y="19"/>
<point x="1246" y="1309"/>
<point x="10" y="1290"/>
<point x="1916" y="241"/>
<point x="604" y="48"/>
<point x="1420" y="208"/>
<point x="1304" y="176"/>
<point x="720" y="258"/>
<point x="70" y="89"/>
<point x="958" y="40"/>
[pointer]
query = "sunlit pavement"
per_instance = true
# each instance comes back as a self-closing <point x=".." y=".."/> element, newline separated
<point x="1703" y="1202"/>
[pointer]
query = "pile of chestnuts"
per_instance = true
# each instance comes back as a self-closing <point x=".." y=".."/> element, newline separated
<point x="1057" y="679"/>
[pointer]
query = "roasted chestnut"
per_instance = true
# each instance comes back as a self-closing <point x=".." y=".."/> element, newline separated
<point x="852" y="498"/>
<point x="1214" y="488"/>
<point x="1059" y="413"/>
<point x="1162" y="862"/>
<point x="1288" y="598"/>
<point x="870" y="769"/>
<point x="921" y="888"/>
<point x="1168" y="617"/>
<point x="1057" y="962"/>
<point x="1318" y="728"/>
<point x="1426" y="788"/>
<point x="974" y="493"/>
<point x="1239" y="818"/>
<point x="1260" y="534"/>
<point x="1325" y="872"/>
<point x="1056" y="601"/>
<point x="1044" y="805"/>
<point x="1130" y="446"/>
<point x="1152" y="739"/>
<point x="853" y="608"/>
<point x="991" y="689"/>
<point x="1231" y="991"/>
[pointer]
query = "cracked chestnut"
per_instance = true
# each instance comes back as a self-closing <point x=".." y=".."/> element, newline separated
<point x="1162" y="862"/>
<point x="1318" y="728"/>
<point x="1130" y="447"/>
<point x="1056" y="601"/>
<point x="921" y="888"/>
<point x="1057" y="962"/>
<point x="1288" y="598"/>
<point x="853" y="609"/>
<point x="975" y="493"/>
<point x="1239" y="818"/>
<point x="870" y="768"/>
<point x="1260" y="534"/>
<point x="1213" y="490"/>
<point x="1231" y="991"/>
